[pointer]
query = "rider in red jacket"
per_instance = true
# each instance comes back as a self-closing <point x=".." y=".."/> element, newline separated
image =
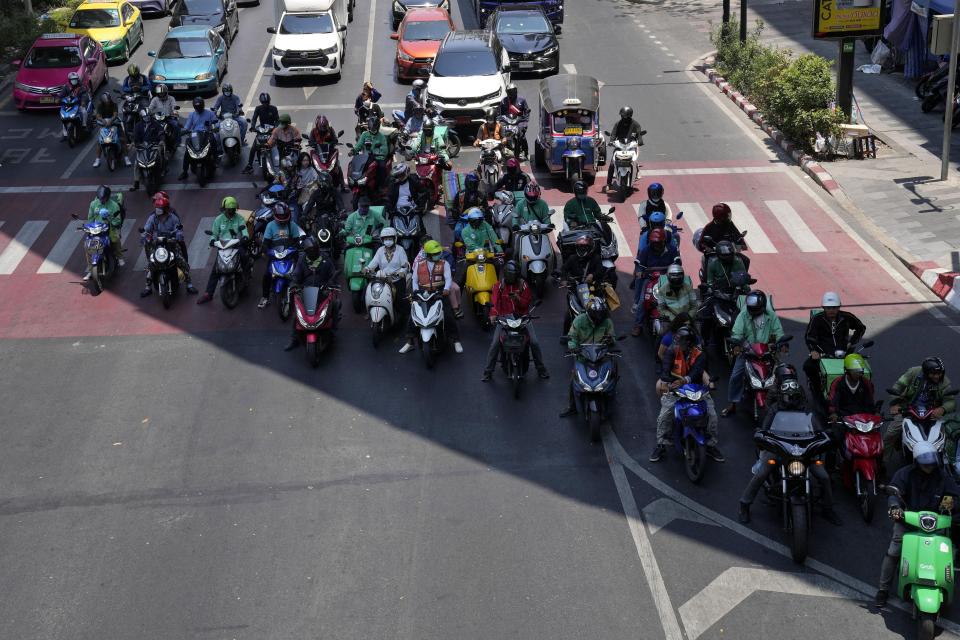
<point x="511" y="296"/>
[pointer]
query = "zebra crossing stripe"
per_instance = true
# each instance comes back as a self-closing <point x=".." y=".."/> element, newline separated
<point x="795" y="227"/>
<point x="757" y="240"/>
<point x="693" y="215"/>
<point x="62" y="250"/>
<point x="625" y="248"/>
<point x="199" y="248"/>
<point x="20" y="245"/>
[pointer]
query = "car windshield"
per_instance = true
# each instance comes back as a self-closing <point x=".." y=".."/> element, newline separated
<point x="95" y="19"/>
<point x="432" y="30"/>
<point x="465" y="63"/>
<point x="174" y="48"/>
<point x="53" y="58"/>
<point x="523" y="23"/>
<point x="306" y="23"/>
<point x="201" y="7"/>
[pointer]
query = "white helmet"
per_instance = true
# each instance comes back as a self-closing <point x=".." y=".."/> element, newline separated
<point x="830" y="299"/>
<point x="388" y="232"/>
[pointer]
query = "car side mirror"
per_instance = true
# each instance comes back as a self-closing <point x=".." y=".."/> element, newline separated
<point x="342" y="29"/>
<point x="606" y="133"/>
<point x="152" y="54"/>
<point x="557" y="28"/>
<point x="394" y="36"/>
<point x="271" y="29"/>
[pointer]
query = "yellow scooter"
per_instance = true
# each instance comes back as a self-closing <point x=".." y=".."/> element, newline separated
<point x="480" y="280"/>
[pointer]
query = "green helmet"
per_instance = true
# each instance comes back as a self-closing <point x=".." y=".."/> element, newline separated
<point x="228" y="203"/>
<point x="432" y="247"/>
<point x="133" y="70"/>
<point x="854" y="362"/>
<point x="285" y="118"/>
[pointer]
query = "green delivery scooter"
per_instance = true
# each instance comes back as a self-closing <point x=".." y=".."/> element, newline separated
<point x="926" y="566"/>
<point x="358" y="254"/>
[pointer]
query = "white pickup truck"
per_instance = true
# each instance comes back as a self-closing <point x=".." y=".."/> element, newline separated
<point x="311" y="37"/>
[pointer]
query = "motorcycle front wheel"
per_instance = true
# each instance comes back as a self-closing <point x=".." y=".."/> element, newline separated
<point x="230" y="293"/>
<point x="694" y="459"/>
<point x="95" y="283"/>
<point x="426" y="351"/>
<point x="453" y="143"/>
<point x="593" y="424"/>
<point x="313" y="354"/>
<point x="926" y="626"/>
<point x="801" y="532"/>
<point x="283" y="305"/>
<point x="868" y="492"/>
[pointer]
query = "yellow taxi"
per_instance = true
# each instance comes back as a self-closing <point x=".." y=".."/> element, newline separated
<point x="116" y="25"/>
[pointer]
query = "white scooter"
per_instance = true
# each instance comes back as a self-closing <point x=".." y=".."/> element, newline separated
<point x="534" y="253"/>
<point x="625" y="156"/>
<point x="426" y="311"/>
<point x="502" y="216"/>
<point x="489" y="169"/>
<point x="379" y="301"/>
<point x="230" y="140"/>
<point x="919" y="426"/>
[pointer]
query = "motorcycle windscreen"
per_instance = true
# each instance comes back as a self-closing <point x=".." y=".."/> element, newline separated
<point x="311" y="298"/>
<point x="792" y="425"/>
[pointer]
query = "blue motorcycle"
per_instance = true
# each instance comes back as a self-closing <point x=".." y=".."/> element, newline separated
<point x="690" y="416"/>
<point x="594" y="384"/>
<point x="71" y="117"/>
<point x="98" y="250"/>
<point x="109" y="141"/>
<point x="283" y="258"/>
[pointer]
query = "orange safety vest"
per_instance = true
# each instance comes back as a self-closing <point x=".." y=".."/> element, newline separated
<point x="430" y="279"/>
<point x="682" y="366"/>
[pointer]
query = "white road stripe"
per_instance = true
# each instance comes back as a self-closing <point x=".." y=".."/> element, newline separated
<point x="368" y="63"/>
<point x="693" y="215"/>
<point x="712" y="171"/>
<point x="386" y="106"/>
<point x="256" y="78"/>
<point x="432" y="225"/>
<point x="757" y="240"/>
<point x="625" y="248"/>
<point x="20" y="245"/>
<point x="141" y="261"/>
<point x="62" y="250"/>
<point x="199" y="248"/>
<point x="90" y="188"/>
<point x="570" y="68"/>
<point x="129" y="225"/>
<point x="794" y="225"/>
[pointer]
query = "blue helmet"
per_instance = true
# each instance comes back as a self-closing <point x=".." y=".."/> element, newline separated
<point x="655" y="191"/>
<point x="276" y="188"/>
<point x="471" y="181"/>
<point x="473" y="213"/>
<point x="658" y="218"/>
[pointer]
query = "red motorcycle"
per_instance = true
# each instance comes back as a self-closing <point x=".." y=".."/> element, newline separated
<point x="862" y="454"/>
<point x="760" y="359"/>
<point x="327" y="158"/>
<point x="316" y="312"/>
<point x="431" y="176"/>
<point x="362" y="175"/>
<point x="650" y="306"/>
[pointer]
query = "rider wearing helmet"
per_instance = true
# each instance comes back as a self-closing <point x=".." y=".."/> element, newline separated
<point x="431" y="272"/>
<point x="76" y="89"/>
<point x="280" y="230"/>
<point x="414" y="99"/>
<point x="514" y="103"/>
<point x="656" y="257"/>
<point x="675" y="294"/>
<point x="314" y="268"/>
<point x="467" y="198"/>
<point x="923" y="486"/>
<point x="164" y="104"/>
<point x="851" y="393"/>
<point x="105" y="202"/>
<point x="285" y="133"/>
<point x="511" y="297"/>
<point x="489" y="129"/>
<point x="828" y="333"/>
<point x="147" y="132"/>
<point x="391" y="258"/>
<point x="721" y="271"/>
<point x="624" y="130"/>
<point x="107" y="108"/>
<point x="364" y="221"/>
<point x="684" y="362"/>
<point x="590" y="327"/>
<point x="414" y="124"/>
<point x="374" y="139"/>
<point x="322" y="134"/>
<point x="721" y="227"/>
<point x="264" y="114"/>
<point x="757" y="322"/>
<point x="478" y="234"/>
<point x="924" y="385"/>
<point x="658" y="220"/>
<point x="512" y="179"/>
<point x="229" y="102"/>
<point x="405" y="190"/>
<point x="135" y="81"/>
<point x="226" y="226"/>
<point x="585" y="263"/>
<point x="532" y="208"/>
<point x="654" y="202"/>
<point x="428" y="142"/>
<point x="164" y="220"/>
<point x="581" y="210"/>
<point x="201" y="119"/>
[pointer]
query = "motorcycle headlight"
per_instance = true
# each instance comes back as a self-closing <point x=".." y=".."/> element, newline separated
<point x="693" y="396"/>
<point x="796" y="468"/>
<point x="161" y="255"/>
<point x="865" y="427"/>
<point x="362" y="181"/>
<point x="203" y="76"/>
<point x="768" y="384"/>
<point x="279" y="52"/>
<point x="157" y="77"/>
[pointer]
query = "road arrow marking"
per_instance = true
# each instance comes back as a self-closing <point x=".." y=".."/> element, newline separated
<point x="736" y="584"/>
<point x="308" y="92"/>
<point x="663" y="511"/>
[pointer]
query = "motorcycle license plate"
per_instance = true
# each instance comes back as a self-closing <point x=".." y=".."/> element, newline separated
<point x="180" y="87"/>
<point x="573" y="131"/>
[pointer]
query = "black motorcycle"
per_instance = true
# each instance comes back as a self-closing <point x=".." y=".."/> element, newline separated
<point x="201" y="158"/>
<point x="151" y="165"/>
<point x="796" y="445"/>
<point x="719" y="309"/>
<point x="233" y="271"/>
<point x="408" y="221"/>
<point x="515" y="349"/>
<point x="261" y="152"/>
<point x="594" y="384"/>
<point x="163" y="254"/>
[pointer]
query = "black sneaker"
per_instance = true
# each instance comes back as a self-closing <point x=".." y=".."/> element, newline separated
<point x="569" y="411"/>
<point x="881" y="598"/>
<point x="192" y="290"/>
<point x="293" y="344"/>
<point x="743" y="513"/>
<point x="543" y="373"/>
<point x="658" y="452"/>
<point x="146" y="291"/>
<point x="487" y="376"/>
<point x="715" y="454"/>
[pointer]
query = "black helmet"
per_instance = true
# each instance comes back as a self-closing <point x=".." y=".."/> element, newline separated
<point x="784" y="372"/>
<point x="791" y="398"/>
<point x="626" y="112"/>
<point x="160" y="90"/>
<point x="684" y="337"/>
<point x="310" y="248"/>
<point x="511" y="272"/>
<point x="373" y="124"/>
<point x="933" y="364"/>
<point x="105" y="99"/>
<point x="579" y="188"/>
<point x="490" y="117"/>
<point x="756" y="303"/>
<point x="584" y="246"/>
<point x="198" y="103"/>
<point x="655" y="191"/>
<point x="264" y="98"/>
<point x="512" y="91"/>
<point x="103" y="193"/>
<point x="726" y="251"/>
<point x="227" y="89"/>
<point x="324" y="179"/>
<point x="471" y="182"/>
<point x="428" y="128"/>
<point x="597" y="311"/>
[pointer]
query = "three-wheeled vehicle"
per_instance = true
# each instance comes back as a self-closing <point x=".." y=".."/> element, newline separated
<point x="569" y="141"/>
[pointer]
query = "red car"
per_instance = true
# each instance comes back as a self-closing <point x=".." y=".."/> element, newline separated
<point x="43" y="71"/>
<point x="418" y="40"/>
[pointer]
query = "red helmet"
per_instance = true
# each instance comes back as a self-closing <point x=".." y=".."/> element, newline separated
<point x="321" y="123"/>
<point x="281" y="212"/>
<point x="512" y="164"/>
<point x="161" y="200"/>
<point x="721" y="211"/>
<point x="657" y="235"/>
<point x="532" y="191"/>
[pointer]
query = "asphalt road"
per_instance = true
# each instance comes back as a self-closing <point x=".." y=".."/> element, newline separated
<point x="177" y="475"/>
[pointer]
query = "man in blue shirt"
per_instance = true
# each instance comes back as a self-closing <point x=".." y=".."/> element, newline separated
<point x="200" y="120"/>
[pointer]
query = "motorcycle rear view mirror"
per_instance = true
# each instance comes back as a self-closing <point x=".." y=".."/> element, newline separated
<point x="208" y="232"/>
<point x="784" y="339"/>
<point x="142" y="230"/>
<point x="304" y="136"/>
<point x="679" y="214"/>
<point x="621" y="337"/>
<point x="340" y="133"/>
<point x="74" y="216"/>
<point x="606" y="133"/>
<point x="891" y="490"/>
<point x="611" y="210"/>
<point x="179" y="227"/>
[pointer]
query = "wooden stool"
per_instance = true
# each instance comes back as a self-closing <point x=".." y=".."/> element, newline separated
<point x="864" y="142"/>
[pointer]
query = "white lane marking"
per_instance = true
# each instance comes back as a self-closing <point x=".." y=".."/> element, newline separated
<point x="80" y="158"/>
<point x="87" y="188"/>
<point x="141" y="261"/>
<point x="199" y="248"/>
<point x="663" y="511"/>
<point x="651" y="570"/>
<point x="693" y="215"/>
<point x="368" y="62"/>
<point x="330" y="107"/>
<point x="65" y="246"/>
<point x="128" y="225"/>
<point x="625" y="248"/>
<point x="556" y="218"/>
<point x="20" y="245"/>
<point x="258" y="75"/>
<point x="569" y="68"/>
<point x="794" y="225"/>
<point x="736" y="584"/>
<point x="309" y="91"/>
<point x="704" y="171"/>
<point x="757" y="240"/>
<point x="431" y="224"/>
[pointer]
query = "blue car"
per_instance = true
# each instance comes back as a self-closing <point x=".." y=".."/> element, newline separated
<point x="191" y="60"/>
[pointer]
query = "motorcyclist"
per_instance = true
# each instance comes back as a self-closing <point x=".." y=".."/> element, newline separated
<point x="478" y="234"/>
<point x="512" y="179"/>
<point x="226" y="226"/>
<point x="654" y="202"/>
<point x="391" y="258"/>
<point x="581" y="210"/>
<point x="265" y="113"/>
<point x="322" y="134"/>
<point x="447" y="255"/>
<point x="532" y="208"/>
<point x="923" y="486"/>
<point x="405" y="190"/>
<point x="434" y="274"/>
<point x="924" y="385"/>
<point x="164" y="104"/>
<point x="721" y="227"/>
<point x="285" y="133"/>
<point x="658" y="220"/>
<point x="590" y="327"/>
<point x="789" y="398"/>
<point x="378" y="144"/>
<point x="584" y="264"/>
<point x="851" y="393"/>
<point x="368" y="98"/>
<point x="280" y="229"/>
<point x="326" y="197"/>
<point x="228" y="102"/>
<point x="148" y="132"/>
<point x="414" y="124"/>
<point x="489" y="129"/>
<point x="135" y="81"/>
<point x="363" y="221"/>
<point x="106" y="108"/>
<point x="202" y="119"/>
<point x="428" y="142"/>
<point x="658" y="256"/>
<point x="467" y="198"/>
<point x="720" y="272"/>
<point x="114" y="217"/>
<point x="314" y="268"/>
<point x="165" y="221"/>
<point x="828" y="332"/>
<point x="675" y="294"/>
<point x="513" y="101"/>
<point x="756" y="323"/>
<point x="626" y="129"/>
<point x="683" y="363"/>
<point x="414" y="99"/>
<point x="511" y="296"/>
<point x="76" y="89"/>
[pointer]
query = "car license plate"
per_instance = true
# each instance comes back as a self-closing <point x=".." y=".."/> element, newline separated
<point x="180" y="87"/>
<point x="525" y="64"/>
<point x="48" y="99"/>
<point x="463" y="120"/>
<point x="573" y="131"/>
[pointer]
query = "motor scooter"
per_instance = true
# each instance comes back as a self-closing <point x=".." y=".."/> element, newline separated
<point x="98" y="251"/>
<point x="426" y="311"/>
<point x="201" y="158"/>
<point x="283" y="258"/>
<point x="109" y="140"/>
<point x="489" y="169"/>
<point x="920" y="425"/>
<point x="230" y="140"/>
<point x="316" y="314"/>
<point x="327" y="158"/>
<point x="430" y="175"/>
<point x="690" y="417"/>
<point x="480" y="280"/>
<point x="625" y="156"/>
<point x="502" y="216"/>
<point x="234" y="275"/>
<point x="408" y="221"/>
<point x="760" y="359"/>
<point x="515" y="348"/>
<point x="533" y="251"/>
<point x="862" y="456"/>
<point x="263" y="153"/>
<point x="362" y="175"/>
<point x="359" y="252"/>
<point x="379" y="301"/>
<point x="594" y="384"/>
<point x="72" y="122"/>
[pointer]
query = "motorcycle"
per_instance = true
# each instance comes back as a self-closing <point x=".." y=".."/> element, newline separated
<point x="426" y="311"/>
<point x="151" y="165"/>
<point x="480" y="280"/>
<point x="98" y="251"/>
<point x="797" y="446"/>
<point x="604" y="238"/>
<point x="709" y="255"/>
<point x="719" y="309"/>
<point x="170" y="136"/>
<point x="760" y="360"/>
<point x="73" y="124"/>
<point x="533" y="251"/>
<point x="408" y="222"/>
<point x="431" y="175"/>
<point x="919" y="425"/>
<point x="272" y="159"/>
<point x="283" y="259"/>
<point x="131" y="104"/>
<point x="234" y="275"/>
<point x="109" y="140"/>
<point x="316" y="311"/>
<point x="490" y="166"/>
<point x="443" y="130"/>
<point x="926" y="565"/>
<point x="502" y="216"/>
<point x="327" y="160"/>
<point x="379" y="299"/>
<point x="862" y="455"/>
<point x="362" y="175"/>
<point x="625" y="166"/>
<point x="651" y="306"/>
<point x="165" y="274"/>
<point x="261" y="137"/>
<point x="514" y="132"/>
<point x="359" y="253"/>
<point x="831" y="366"/>
<point x="578" y="295"/>
<point x="263" y="215"/>
<point x="690" y="437"/>
<point x="201" y="159"/>
<point x="515" y="349"/>
<point x="230" y="140"/>
<point x="594" y="384"/>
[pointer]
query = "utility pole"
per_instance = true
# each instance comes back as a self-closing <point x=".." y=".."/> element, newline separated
<point x="743" y="21"/>
<point x="726" y="12"/>
<point x="951" y="87"/>
<point x="845" y="76"/>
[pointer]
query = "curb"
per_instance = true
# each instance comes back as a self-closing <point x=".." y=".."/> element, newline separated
<point x="809" y="166"/>
<point x="938" y="279"/>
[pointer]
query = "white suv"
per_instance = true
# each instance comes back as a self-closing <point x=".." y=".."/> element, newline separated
<point x="470" y="74"/>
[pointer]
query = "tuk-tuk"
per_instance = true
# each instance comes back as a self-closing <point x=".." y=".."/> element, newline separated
<point x="569" y="141"/>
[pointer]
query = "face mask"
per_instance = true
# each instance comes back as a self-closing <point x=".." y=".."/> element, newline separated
<point x="228" y="93"/>
<point x="230" y="213"/>
<point x="198" y="109"/>
<point x="284" y="125"/>
<point x="75" y="83"/>
<point x="388" y="242"/>
<point x="159" y="212"/>
<point x="434" y="257"/>
<point x="581" y="197"/>
<point x="363" y="212"/>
